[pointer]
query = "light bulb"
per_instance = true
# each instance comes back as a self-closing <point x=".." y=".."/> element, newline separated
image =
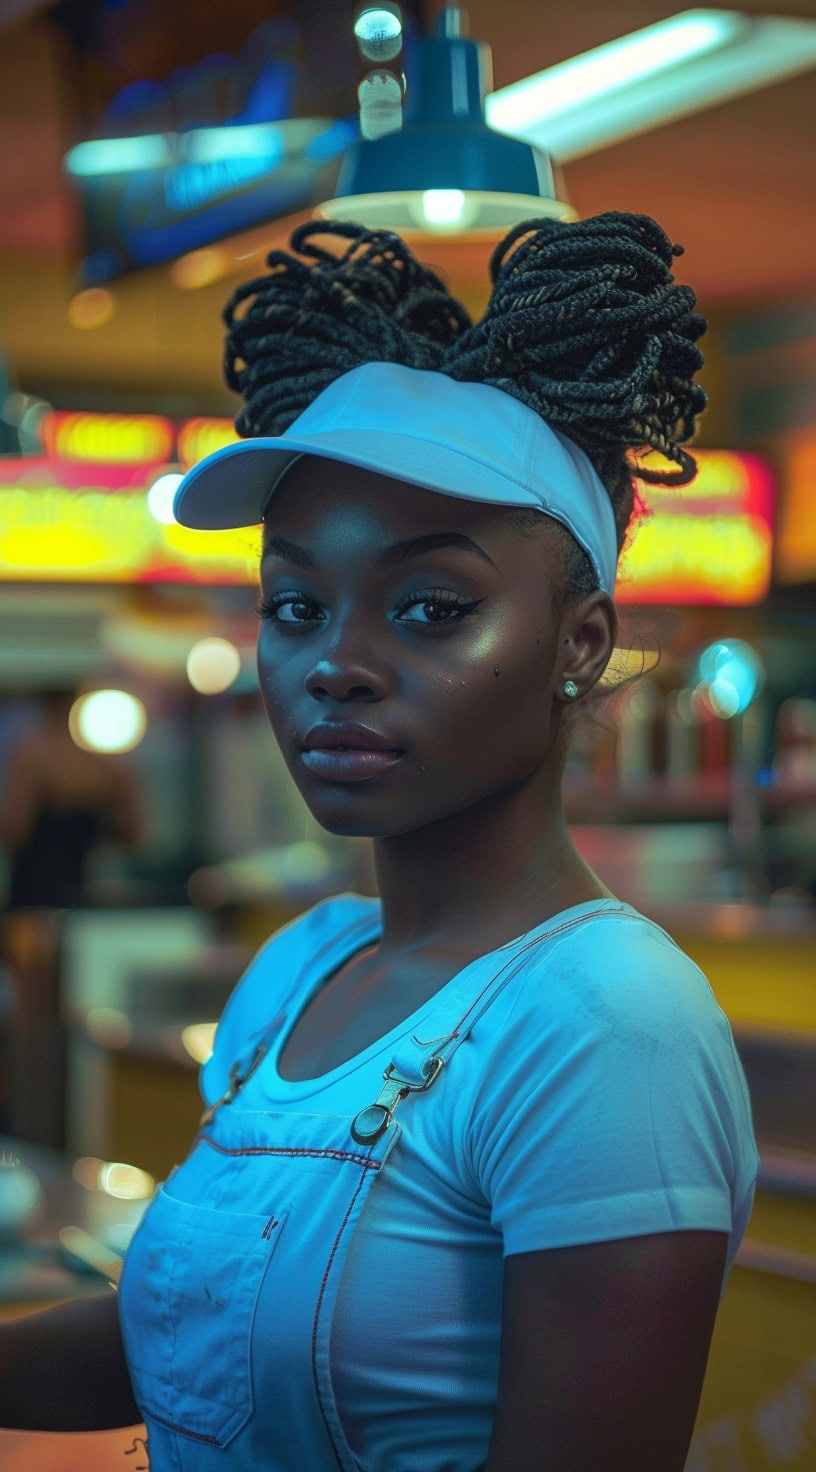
<point x="380" y="98"/>
<point x="379" y="32"/>
<point x="443" y="206"/>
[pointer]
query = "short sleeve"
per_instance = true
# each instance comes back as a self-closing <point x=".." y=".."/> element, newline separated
<point x="614" y="1103"/>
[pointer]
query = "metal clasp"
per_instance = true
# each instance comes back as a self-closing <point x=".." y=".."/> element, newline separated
<point x="367" y="1130"/>
<point x="236" y="1083"/>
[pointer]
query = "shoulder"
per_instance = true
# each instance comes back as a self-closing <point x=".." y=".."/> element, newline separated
<point x="611" y="1100"/>
<point x="615" y="969"/>
<point x="272" y="979"/>
<point x="607" y="1026"/>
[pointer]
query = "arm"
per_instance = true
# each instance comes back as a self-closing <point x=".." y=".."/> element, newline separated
<point x="126" y="816"/>
<point x="64" y="1369"/>
<point x="603" y="1353"/>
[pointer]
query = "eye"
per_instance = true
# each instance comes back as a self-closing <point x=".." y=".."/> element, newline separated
<point x="438" y="598"/>
<point x="268" y="607"/>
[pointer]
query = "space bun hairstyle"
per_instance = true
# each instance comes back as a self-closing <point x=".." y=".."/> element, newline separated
<point x="585" y="324"/>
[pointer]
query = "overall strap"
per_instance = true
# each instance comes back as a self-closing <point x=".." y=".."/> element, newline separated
<point x="258" y="1041"/>
<point x="417" y="1062"/>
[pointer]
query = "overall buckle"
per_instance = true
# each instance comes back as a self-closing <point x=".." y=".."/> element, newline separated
<point x="373" y="1121"/>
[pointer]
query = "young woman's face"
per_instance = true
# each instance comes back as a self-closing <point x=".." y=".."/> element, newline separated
<point x="452" y="656"/>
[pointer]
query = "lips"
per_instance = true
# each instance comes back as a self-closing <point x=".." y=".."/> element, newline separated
<point x="347" y="735"/>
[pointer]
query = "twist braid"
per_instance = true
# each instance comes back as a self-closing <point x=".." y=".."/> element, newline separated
<point x="310" y="323"/>
<point x="585" y="325"/>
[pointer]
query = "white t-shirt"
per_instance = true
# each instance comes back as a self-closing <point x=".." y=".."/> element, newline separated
<point x="600" y="1096"/>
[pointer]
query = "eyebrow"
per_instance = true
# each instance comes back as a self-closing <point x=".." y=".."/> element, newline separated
<point x="390" y="556"/>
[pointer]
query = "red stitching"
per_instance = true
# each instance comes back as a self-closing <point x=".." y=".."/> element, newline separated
<point x="320" y="1295"/>
<point x="537" y="940"/>
<point x="280" y="1150"/>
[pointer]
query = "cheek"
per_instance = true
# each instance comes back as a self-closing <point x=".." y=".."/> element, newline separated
<point x="497" y="713"/>
<point x="266" y="679"/>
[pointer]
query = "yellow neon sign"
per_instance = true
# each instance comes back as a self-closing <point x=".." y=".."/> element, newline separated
<point x="114" y="439"/>
<point x="82" y="515"/>
<point x="713" y="559"/>
<point x="52" y="534"/>
<point x="200" y="437"/>
<point x="707" y="542"/>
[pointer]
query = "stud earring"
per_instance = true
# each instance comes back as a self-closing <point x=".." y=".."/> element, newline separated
<point x="570" y="689"/>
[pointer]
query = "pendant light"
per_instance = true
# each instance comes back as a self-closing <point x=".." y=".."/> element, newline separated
<point x="441" y="170"/>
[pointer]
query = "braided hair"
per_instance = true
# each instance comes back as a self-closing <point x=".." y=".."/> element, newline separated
<point x="585" y="324"/>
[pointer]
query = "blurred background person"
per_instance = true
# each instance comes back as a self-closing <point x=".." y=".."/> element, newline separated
<point x="59" y="802"/>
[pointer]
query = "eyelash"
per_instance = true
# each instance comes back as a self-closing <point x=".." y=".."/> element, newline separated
<point x="268" y="607"/>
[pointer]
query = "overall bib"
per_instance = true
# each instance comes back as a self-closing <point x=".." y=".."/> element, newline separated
<point x="268" y="1199"/>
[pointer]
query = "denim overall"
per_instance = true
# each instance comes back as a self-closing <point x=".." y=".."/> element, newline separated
<point x="283" y="1192"/>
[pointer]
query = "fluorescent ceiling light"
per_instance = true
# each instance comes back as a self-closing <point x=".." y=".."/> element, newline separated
<point x="119" y="155"/>
<point x="268" y="143"/>
<point x="679" y="66"/>
<point x="253" y="140"/>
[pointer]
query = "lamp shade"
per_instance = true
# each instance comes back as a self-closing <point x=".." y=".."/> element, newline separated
<point x="445" y="171"/>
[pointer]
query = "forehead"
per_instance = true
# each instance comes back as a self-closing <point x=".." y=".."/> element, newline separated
<point x="318" y="496"/>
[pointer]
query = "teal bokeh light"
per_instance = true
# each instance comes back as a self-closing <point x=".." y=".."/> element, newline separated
<point x="733" y="675"/>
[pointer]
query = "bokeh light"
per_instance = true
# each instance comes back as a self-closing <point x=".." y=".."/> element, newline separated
<point x="108" y="720"/>
<point x="114" y="1178"/>
<point x="161" y="495"/>
<point x="200" y="268"/>
<point x="92" y="308"/>
<point x="198" y="1039"/>
<point x="443" y="206"/>
<point x="729" y="675"/>
<point x="213" y="665"/>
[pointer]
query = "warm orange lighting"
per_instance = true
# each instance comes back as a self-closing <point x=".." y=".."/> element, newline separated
<point x="200" y="268"/>
<point x="91" y="308"/>
<point x="121" y="439"/>
<point x="796" y="542"/>
<point x="708" y="542"/>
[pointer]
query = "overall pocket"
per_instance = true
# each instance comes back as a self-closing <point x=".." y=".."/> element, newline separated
<point x="187" y="1298"/>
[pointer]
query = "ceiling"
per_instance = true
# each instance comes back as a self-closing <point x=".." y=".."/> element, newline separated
<point x="736" y="184"/>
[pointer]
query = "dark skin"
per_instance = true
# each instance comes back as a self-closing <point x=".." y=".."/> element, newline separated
<point x="604" y="1345"/>
<point x="468" y="831"/>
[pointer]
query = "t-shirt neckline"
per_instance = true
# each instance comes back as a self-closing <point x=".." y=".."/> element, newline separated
<point x="368" y="929"/>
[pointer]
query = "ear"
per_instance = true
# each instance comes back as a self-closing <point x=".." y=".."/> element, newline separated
<point x="589" y="628"/>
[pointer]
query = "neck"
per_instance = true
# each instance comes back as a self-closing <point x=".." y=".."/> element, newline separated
<point x="482" y="876"/>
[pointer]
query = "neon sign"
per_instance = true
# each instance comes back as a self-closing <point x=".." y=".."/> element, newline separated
<point x="710" y="542"/>
<point x="796" y="542"/>
<point x="80" y="514"/>
<point x="132" y="439"/>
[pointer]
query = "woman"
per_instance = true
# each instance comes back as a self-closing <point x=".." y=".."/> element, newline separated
<point x="477" y="1155"/>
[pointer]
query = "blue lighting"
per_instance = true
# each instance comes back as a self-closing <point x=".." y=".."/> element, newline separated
<point x="733" y="673"/>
